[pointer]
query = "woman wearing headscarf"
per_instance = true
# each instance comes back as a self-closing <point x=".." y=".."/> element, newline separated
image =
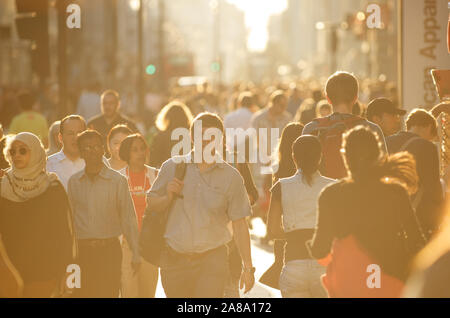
<point x="35" y="218"/>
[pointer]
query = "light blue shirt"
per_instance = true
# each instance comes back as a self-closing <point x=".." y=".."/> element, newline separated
<point x="103" y="207"/>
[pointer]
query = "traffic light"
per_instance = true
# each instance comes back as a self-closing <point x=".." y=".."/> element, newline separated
<point x="32" y="24"/>
<point x="215" y="67"/>
<point x="150" y="69"/>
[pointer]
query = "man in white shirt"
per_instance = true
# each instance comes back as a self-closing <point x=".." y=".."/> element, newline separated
<point x="241" y="117"/>
<point x="67" y="162"/>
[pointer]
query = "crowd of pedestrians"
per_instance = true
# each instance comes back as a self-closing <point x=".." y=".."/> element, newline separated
<point x="354" y="205"/>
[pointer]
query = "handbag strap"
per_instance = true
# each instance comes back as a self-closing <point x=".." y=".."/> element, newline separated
<point x="180" y="172"/>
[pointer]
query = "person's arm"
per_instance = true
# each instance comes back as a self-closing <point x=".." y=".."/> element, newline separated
<point x="243" y="243"/>
<point x="414" y="235"/>
<point x="128" y="217"/>
<point x="164" y="188"/>
<point x="249" y="183"/>
<point x="274" y="224"/>
<point x="429" y="206"/>
<point x="320" y="245"/>
<point x="238" y="209"/>
<point x="11" y="283"/>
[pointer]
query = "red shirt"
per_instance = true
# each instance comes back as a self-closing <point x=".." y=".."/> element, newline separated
<point x="347" y="273"/>
<point x="138" y="184"/>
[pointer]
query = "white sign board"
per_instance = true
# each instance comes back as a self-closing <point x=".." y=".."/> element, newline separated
<point x="424" y="47"/>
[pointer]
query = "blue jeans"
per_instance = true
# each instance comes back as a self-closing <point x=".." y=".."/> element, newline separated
<point x="204" y="277"/>
<point x="301" y="279"/>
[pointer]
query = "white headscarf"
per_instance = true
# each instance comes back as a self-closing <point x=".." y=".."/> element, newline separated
<point x="23" y="184"/>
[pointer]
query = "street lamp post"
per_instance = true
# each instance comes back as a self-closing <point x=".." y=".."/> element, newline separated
<point x="161" y="47"/>
<point x="62" y="57"/>
<point x="217" y="63"/>
<point x="140" y="56"/>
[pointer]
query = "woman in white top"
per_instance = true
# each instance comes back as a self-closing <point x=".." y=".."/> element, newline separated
<point x="292" y="216"/>
<point x="134" y="151"/>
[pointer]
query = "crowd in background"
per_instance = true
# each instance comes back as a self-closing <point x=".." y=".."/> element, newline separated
<point x="339" y="199"/>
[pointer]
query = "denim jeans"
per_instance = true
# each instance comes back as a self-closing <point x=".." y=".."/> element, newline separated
<point x="204" y="277"/>
<point x="301" y="279"/>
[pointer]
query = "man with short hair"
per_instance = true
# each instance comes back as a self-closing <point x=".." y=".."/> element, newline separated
<point x="342" y="93"/>
<point x="194" y="262"/>
<point x="240" y="118"/>
<point x="67" y="161"/>
<point x="273" y="116"/>
<point x="420" y="123"/>
<point x="110" y="116"/>
<point x="102" y="210"/>
<point x="418" y="140"/>
<point x="29" y="120"/>
<point x="383" y="112"/>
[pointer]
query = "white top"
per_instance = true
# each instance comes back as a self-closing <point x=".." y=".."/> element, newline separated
<point x="64" y="167"/>
<point x="240" y="118"/>
<point x="299" y="201"/>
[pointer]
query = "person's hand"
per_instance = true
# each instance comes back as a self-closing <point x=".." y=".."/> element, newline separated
<point x="136" y="267"/>
<point x="174" y="188"/>
<point x="247" y="280"/>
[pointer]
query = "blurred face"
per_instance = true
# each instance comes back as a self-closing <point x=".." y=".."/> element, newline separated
<point x="324" y="112"/>
<point x="389" y="123"/>
<point x="20" y="154"/>
<point x="114" y="145"/>
<point x="91" y="150"/>
<point x="210" y="139"/>
<point x="280" y="106"/>
<point x="424" y="132"/>
<point x="138" y="153"/>
<point x="68" y="137"/>
<point x="109" y="105"/>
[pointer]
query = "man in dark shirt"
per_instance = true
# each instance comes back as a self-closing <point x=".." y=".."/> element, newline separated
<point x="110" y="116"/>
<point x="417" y="140"/>
<point x="383" y="112"/>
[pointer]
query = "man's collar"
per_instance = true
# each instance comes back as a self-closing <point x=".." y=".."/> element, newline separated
<point x="218" y="163"/>
<point x="104" y="172"/>
<point x="60" y="156"/>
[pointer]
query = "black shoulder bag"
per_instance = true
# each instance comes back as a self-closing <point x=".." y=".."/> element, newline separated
<point x="151" y="238"/>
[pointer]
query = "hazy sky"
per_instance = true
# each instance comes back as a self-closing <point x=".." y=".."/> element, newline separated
<point x="257" y="14"/>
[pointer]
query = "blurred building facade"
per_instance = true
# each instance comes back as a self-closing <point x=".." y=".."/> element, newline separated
<point x="322" y="36"/>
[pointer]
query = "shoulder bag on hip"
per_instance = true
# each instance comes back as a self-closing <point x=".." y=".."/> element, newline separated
<point x="151" y="238"/>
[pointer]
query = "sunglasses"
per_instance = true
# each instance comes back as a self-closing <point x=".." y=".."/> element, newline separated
<point x="22" y="151"/>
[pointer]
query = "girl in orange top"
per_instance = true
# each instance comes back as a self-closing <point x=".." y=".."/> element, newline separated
<point x="134" y="150"/>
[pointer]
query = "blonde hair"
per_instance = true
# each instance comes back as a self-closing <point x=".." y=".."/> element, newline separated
<point x="174" y="114"/>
